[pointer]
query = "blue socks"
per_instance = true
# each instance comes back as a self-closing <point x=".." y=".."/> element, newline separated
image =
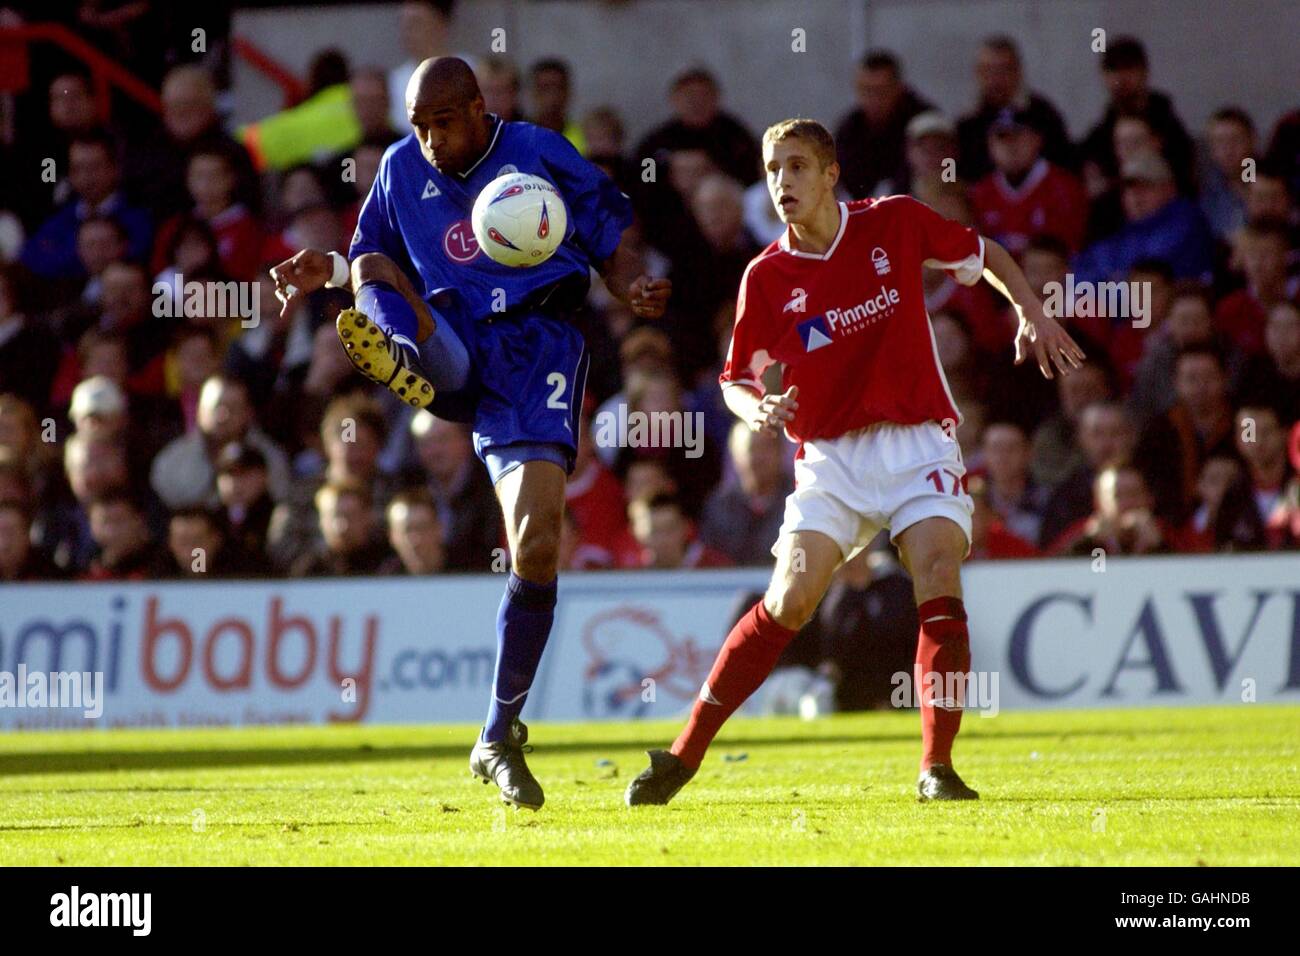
<point x="523" y="626"/>
<point x="442" y="355"/>
<point x="389" y="309"/>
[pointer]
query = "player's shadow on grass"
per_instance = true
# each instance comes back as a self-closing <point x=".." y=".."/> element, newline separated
<point x="99" y="761"/>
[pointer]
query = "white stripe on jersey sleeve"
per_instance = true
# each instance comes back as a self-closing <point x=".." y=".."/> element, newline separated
<point x="966" y="271"/>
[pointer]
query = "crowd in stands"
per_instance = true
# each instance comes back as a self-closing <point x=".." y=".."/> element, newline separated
<point x="141" y="439"/>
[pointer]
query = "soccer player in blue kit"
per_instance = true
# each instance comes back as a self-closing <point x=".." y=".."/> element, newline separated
<point x="447" y="328"/>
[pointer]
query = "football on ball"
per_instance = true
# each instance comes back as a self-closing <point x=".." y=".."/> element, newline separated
<point x="519" y="220"/>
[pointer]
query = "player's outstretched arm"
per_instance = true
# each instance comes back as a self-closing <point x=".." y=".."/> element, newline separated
<point x="309" y="270"/>
<point x="761" y="411"/>
<point x="1037" y="330"/>
<point x="646" y="297"/>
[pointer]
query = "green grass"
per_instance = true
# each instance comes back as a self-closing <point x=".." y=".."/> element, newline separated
<point x="1157" y="787"/>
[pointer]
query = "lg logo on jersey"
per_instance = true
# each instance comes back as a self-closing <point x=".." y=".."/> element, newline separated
<point x="459" y="244"/>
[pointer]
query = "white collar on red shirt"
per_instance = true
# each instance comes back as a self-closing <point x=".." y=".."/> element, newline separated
<point x="1037" y="173"/>
<point x="784" y="240"/>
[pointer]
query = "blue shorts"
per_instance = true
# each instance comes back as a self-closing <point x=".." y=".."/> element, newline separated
<point x="529" y="373"/>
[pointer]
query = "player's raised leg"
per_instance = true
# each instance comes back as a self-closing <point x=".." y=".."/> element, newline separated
<point x="932" y="551"/>
<point x="532" y="503"/>
<point x="805" y="562"/>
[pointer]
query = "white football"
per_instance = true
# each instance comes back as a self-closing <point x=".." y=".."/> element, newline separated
<point x="519" y="219"/>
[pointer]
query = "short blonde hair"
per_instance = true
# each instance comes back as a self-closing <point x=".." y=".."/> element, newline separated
<point x="810" y="131"/>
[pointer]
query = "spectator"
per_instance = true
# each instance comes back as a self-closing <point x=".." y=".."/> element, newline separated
<point x="1011" y="491"/>
<point x="158" y="165"/>
<point x="71" y="112"/>
<point x="1285" y="520"/>
<point x="1243" y="314"/>
<point x="1173" y="446"/>
<point x="124" y="548"/>
<point x="101" y="241"/>
<point x="19" y="560"/>
<point x="870" y="138"/>
<point x="700" y="123"/>
<point x="352" y="434"/>
<point x="184" y="472"/>
<point x="664" y="533"/>
<point x="467" y="506"/>
<point x="658" y="401"/>
<point x="1027" y="195"/>
<point x="603" y="131"/>
<point x="198" y="547"/>
<point x="93" y="171"/>
<point x="1231" y="136"/>
<point x="1123" y="520"/>
<point x="350" y="539"/>
<point x="1054" y="451"/>
<point x="701" y="282"/>
<point x="1190" y="322"/>
<point x="742" y="518"/>
<point x="243" y="488"/>
<point x="999" y="79"/>
<point x="415" y="534"/>
<point x="990" y="539"/>
<point x="1126" y="74"/>
<point x="1225" y="516"/>
<point x="498" y="81"/>
<point x="594" y="502"/>
<point x="93" y="468"/>
<point x="369" y="88"/>
<point x="1159" y="225"/>
<point x="124" y="309"/>
<point x="929" y="153"/>
<point x="1131" y="332"/>
<point x="549" y="96"/>
<point x="424" y="28"/>
<point x="1105" y="437"/>
<point x="1261" y="443"/>
<point x="1274" y="375"/>
<point x="212" y="184"/>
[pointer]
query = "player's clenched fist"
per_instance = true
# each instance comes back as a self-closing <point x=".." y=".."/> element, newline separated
<point x="649" y="297"/>
<point x="294" y="278"/>
<point x="773" y="411"/>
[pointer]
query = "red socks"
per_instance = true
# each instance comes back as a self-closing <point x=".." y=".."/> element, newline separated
<point x="747" y="657"/>
<point x="944" y="649"/>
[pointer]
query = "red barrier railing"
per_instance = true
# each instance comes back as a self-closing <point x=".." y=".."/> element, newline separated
<point x="105" y="73"/>
<point x="293" y="89"/>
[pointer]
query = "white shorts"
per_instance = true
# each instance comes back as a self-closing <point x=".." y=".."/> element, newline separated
<point x="885" y="476"/>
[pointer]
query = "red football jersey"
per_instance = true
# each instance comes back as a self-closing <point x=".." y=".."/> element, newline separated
<point x="1050" y="202"/>
<point x="850" y="325"/>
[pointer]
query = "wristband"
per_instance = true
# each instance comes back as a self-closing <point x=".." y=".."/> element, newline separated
<point x="341" y="275"/>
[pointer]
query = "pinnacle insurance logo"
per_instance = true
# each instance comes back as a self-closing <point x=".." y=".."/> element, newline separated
<point x="822" y="330"/>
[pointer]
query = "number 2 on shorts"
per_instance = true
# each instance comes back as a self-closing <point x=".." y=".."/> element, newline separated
<point x="558" y="380"/>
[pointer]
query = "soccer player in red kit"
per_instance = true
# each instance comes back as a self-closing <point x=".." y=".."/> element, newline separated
<point x="838" y="300"/>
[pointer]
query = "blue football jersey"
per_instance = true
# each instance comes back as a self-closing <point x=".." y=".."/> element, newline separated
<point x="420" y="218"/>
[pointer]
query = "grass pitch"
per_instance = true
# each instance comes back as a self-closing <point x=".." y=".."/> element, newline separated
<point x="1167" y="787"/>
